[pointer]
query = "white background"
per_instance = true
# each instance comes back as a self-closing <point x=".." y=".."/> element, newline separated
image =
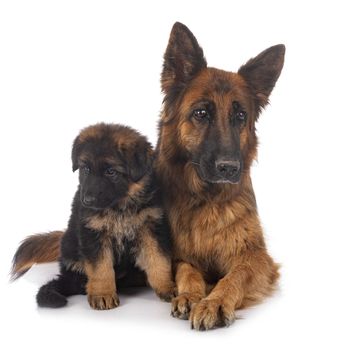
<point x="67" y="64"/>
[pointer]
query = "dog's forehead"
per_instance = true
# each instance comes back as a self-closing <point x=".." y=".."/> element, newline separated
<point x="218" y="86"/>
<point x="97" y="157"/>
<point x="110" y="134"/>
<point x="212" y="83"/>
<point x="221" y="85"/>
<point x="108" y="140"/>
<point x="97" y="150"/>
<point x="109" y="144"/>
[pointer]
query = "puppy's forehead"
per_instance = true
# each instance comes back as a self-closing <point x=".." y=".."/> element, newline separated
<point x="100" y="151"/>
<point x="90" y="133"/>
<point x="115" y="136"/>
<point x="96" y="156"/>
<point x="126" y="139"/>
<point x="109" y="144"/>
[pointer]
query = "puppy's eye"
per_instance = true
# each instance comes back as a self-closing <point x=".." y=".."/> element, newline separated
<point x="85" y="169"/>
<point x="241" y="116"/>
<point x="200" y="114"/>
<point x="111" y="172"/>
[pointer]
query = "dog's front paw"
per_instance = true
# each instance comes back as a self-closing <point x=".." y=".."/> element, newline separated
<point x="211" y="313"/>
<point x="103" y="302"/>
<point x="182" y="304"/>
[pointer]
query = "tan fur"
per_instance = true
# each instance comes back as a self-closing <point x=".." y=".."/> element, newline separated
<point x="136" y="188"/>
<point x="121" y="233"/>
<point x="125" y="140"/>
<point x="101" y="287"/>
<point x="75" y="266"/>
<point x="126" y="224"/>
<point x="157" y="265"/>
<point x="121" y="226"/>
<point x="132" y="226"/>
<point x="150" y="258"/>
<point x="36" y="249"/>
<point x="220" y="258"/>
<point x="135" y="192"/>
<point x="222" y="233"/>
<point x="90" y="133"/>
<point x="191" y="289"/>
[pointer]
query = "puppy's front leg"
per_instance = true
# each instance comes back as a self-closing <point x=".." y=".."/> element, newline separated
<point x="101" y="286"/>
<point x="156" y="264"/>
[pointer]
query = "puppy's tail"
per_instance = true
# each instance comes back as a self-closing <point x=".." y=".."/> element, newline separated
<point x="54" y="293"/>
<point x="49" y="296"/>
<point x="36" y="249"/>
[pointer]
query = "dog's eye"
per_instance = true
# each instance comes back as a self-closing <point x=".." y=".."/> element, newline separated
<point x="238" y="112"/>
<point x="200" y="114"/>
<point x="241" y="116"/>
<point x="110" y="172"/>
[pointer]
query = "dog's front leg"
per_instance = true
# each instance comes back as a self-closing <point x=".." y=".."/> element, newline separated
<point x="191" y="289"/>
<point x="157" y="266"/>
<point x="252" y="276"/>
<point x="101" y="286"/>
<point x="217" y="309"/>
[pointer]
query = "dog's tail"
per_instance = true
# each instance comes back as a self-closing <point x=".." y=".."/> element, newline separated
<point x="54" y="293"/>
<point x="36" y="249"/>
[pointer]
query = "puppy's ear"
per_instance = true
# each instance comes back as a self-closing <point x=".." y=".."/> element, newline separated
<point x="75" y="153"/>
<point x="139" y="160"/>
<point x="182" y="61"/>
<point x="262" y="72"/>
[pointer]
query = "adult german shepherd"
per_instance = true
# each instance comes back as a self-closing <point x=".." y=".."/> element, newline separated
<point x="207" y="142"/>
<point x="116" y="234"/>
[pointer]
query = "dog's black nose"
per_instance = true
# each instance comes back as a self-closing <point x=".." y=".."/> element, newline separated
<point x="89" y="200"/>
<point x="227" y="167"/>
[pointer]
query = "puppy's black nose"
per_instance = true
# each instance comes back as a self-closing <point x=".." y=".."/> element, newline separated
<point x="89" y="200"/>
<point x="227" y="167"/>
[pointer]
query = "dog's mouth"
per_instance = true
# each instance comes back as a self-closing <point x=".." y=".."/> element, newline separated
<point x="93" y="207"/>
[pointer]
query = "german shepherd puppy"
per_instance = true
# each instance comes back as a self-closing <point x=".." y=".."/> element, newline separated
<point x="206" y="145"/>
<point x="116" y="230"/>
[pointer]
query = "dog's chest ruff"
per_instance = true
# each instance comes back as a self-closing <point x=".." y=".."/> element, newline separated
<point x="122" y="225"/>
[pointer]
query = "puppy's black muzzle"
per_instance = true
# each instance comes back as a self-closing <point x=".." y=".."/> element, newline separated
<point x="89" y="201"/>
<point x="97" y="193"/>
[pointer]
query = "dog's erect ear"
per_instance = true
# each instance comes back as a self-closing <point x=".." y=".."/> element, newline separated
<point x="183" y="59"/>
<point x="75" y="153"/>
<point x="139" y="160"/>
<point x="262" y="72"/>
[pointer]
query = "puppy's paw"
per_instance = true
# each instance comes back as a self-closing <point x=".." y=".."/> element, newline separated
<point x="182" y="304"/>
<point x="211" y="313"/>
<point x="103" y="302"/>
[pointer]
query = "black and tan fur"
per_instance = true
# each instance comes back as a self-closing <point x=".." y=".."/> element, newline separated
<point x="117" y="233"/>
<point x="207" y="143"/>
